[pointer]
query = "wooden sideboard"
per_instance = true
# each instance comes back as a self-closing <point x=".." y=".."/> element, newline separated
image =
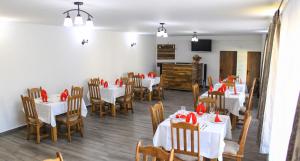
<point x="181" y="76"/>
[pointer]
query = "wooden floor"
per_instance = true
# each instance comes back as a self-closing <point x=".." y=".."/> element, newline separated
<point x="108" y="138"/>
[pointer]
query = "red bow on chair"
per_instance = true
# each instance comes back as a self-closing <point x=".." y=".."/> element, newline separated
<point x="105" y="84"/>
<point x="211" y="88"/>
<point x="64" y="95"/>
<point x="44" y="95"/>
<point x="121" y="83"/>
<point x="191" y="116"/>
<point x="230" y="79"/>
<point x="142" y="76"/>
<point x="102" y="81"/>
<point x="117" y="82"/>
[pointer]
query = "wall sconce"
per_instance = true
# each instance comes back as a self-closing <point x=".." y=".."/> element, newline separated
<point x="133" y="44"/>
<point x="84" y="41"/>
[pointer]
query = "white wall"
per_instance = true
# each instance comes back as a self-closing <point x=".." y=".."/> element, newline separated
<point x="53" y="57"/>
<point x="241" y="43"/>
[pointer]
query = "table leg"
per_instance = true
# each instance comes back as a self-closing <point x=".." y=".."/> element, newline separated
<point x="54" y="134"/>
<point x="113" y="110"/>
<point x="150" y="96"/>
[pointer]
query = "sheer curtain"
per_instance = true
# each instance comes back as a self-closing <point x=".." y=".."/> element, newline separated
<point x="284" y="85"/>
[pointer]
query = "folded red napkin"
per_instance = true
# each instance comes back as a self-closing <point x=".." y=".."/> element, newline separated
<point x="64" y="95"/>
<point x="117" y="81"/>
<point x="234" y="90"/>
<point x="181" y="116"/>
<point x="217" y="119"/>
<point x="190" y="116"/>
<point x="44" y="95"/>
<point x="121" y="83"/>
<point x="200" y="109"/>
<point x="142" y="76"/>
<point x="105" y="84"/>
<point x="211" y="88"/>
<point x="102" y="81"/>
<point x="222" y="88"/>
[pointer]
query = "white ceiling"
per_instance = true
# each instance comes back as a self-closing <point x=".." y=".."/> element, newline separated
<point x="182" y="17"/>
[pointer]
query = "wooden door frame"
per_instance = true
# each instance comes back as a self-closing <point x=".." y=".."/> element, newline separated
<point x="259" y="71"/>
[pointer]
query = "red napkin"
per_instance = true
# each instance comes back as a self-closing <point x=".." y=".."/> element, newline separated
<point x="211" y="88"/>
<point x="234" y="90"/>
<point x="102" y="81"/>
<point x="64" y="95"/>
<point x="200" y="109"/>
<point x="44" y="95"/>
<point x="222" y="88"/>
<point x="142" y="76"/>
<point x="217" y="119"/>
<point x="191" y="116"/>
<point x="105" y="84"/>
<point x="117" y="82"/>
<point x="121" y="83"/>
<point x="180" y="116"/>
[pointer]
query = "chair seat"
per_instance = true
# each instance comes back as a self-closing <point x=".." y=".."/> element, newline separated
<point x="33" y="121"/>
<point x="231" y="147"/>
<point x="63" y="118"/>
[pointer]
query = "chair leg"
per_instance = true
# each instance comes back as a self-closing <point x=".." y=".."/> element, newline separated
<point x="69" y="133"/>
<point x="28" y="132"/>
<point x="93" y="108"/>
<point x="38" y="137"/>
<point x="80" y="128"/>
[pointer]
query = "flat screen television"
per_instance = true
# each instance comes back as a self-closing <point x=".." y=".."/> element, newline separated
<point x="201" y="45"/>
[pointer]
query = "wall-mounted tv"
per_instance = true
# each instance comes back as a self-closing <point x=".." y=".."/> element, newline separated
<point x="201" y="45"/>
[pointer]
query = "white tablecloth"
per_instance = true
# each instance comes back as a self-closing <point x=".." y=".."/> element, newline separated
<point x="48" y="110"/>
<point x="233" y="102"/>
<point x="211" y="137"/>
<point x="150" y="82"/>
<point x="240" y="87"/>
<point x="111" y="93"/>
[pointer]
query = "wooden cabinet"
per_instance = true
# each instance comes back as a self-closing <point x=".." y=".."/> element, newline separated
<point x="181" y="76"/>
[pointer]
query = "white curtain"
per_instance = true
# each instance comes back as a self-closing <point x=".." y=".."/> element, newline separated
<point x="284" y="86"/>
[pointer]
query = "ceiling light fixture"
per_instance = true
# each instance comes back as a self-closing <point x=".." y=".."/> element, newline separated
<point x="195" y="38"/>
<point x="78" y="19"/>
<point x="162" y="31"/>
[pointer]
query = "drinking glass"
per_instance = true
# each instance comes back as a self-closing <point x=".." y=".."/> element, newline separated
<point x="182" y="108"/>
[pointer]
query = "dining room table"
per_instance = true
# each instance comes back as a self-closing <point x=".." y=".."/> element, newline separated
<point x="149" y="82"/>
<point x="212" y="134"/>
<point x="110" y="95"/>
<point x="54" y="106"/>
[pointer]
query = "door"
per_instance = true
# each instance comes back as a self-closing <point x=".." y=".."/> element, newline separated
<point x="253" y="68"/>
<point x="227" y="63"/>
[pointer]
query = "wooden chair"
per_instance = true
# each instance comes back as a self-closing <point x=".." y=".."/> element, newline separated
<point x="235" y="150"/>
<point x="157" y="154"/>
<point x="196" y="94"/>
<point x="125" y="80"/>
<point x="126" y="101"/>
<point x="58" y="157"/>
<point x="95" y="98"/>
<point x="34" y="125"/>
<point x="220" y="101"/>
<point x="34" y="92"/>
<point x="139" y="90"/>
<point x="95" y="80"/>
<point x="249" y="102"/>
<point x="208" y="102"/>
<point x="130" y="74"/>
<point x="185" y="127"/>
<point x="158" y="91"/>
<point x="76" y="91"/>
<point x="157" y="115"/>
<point x="209" y="81"/>
<point x="73" y="117"/>
<point x="229" y="84"/>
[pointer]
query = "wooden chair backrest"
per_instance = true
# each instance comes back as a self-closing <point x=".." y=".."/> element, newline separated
<point x="94" y="91"/>
<point x="74" y="107"/>
<point x="76" y="91"/>
<point x="196" y="93"/>
<point x="137" y="81"/>
<point x="125" y="80"/>
<point x="34" y="92"/>
<point x="250" y="100"/>
<point x="161" y="82"/>
<point x="243" y="136"/>
<point x="130" y="74"/>
<point x="183" y="126"/>
<point x="157" y="154"/>
<point x="95" y="80"/>
<point x="58" y="157"/>
<point x="157" y="115"/>
<point x="208" y="103"/>
<point x="209" y="81"/>
<point x="229" y="85"/>
<point x="128" y="92"/>
<point x="29" y="109"/>
<point x="220" y="99"/>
